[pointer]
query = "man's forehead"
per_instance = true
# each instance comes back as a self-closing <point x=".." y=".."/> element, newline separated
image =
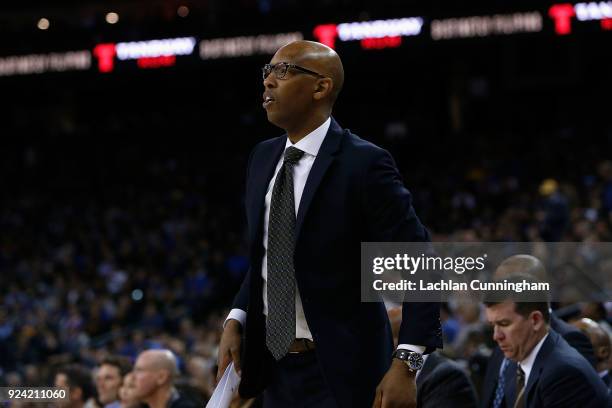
<point x="284" y="55"/>
<point x="501" y="310"/>
<point x="298" y="52"/>
<point x="142" y="362"/>
<point x="108" y="369"/>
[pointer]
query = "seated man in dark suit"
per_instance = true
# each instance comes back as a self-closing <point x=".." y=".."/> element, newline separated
<point x="601" y="345"/>
<point x="441" y="382"/>
<point x="550" y="373"/>
<point x="494" y="385"/>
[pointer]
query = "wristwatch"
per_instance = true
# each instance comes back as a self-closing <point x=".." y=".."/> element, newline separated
<point x="413" y="360"/>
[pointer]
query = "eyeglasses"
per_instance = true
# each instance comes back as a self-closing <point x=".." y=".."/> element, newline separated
<point x="280" y="70"/>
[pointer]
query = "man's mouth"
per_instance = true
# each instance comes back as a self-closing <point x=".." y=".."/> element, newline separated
<point x="267" y="101"/>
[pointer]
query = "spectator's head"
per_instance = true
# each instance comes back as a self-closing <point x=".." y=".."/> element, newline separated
<point x="600" y="340"/>
<point x="110" y="376"/>
<point x="154" y="374"/>
<point x="594" y="311"/>
<point x="304" y="81"/>
<point x="77" y="379"/>
<point x="525" y="264"/>
<point x="548" y="187"/>
<point x="519" y="319"/>
<point x="127" y="392"/>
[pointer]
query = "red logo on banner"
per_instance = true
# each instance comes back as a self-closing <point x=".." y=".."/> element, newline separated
<point x="380" y="43"/>
<point x="157" y="62"/>
<point x="106" y="56"/>
<point x="562" y="14"/>
<point x="326" y="34"/>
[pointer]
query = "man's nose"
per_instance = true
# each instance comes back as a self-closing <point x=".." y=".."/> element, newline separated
<point x="269" y="81"/>
<point x="498" y="334"/>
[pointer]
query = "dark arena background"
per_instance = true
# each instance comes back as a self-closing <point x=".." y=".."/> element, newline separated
<point x="126" y="128"/>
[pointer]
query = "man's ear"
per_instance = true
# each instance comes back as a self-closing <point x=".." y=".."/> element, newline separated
<point x="538" y="319"/>
<point x="162" y="377"/>
<point x="323" y="88"/>
<point x="602" y="353"/>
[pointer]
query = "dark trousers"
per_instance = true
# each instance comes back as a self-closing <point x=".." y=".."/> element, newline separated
<point x="297" y="382"/>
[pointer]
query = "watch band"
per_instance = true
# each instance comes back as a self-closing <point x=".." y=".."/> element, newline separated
<point x="413" y="360"/>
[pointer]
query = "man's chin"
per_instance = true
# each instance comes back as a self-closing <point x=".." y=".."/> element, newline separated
<point x="274" y="119"/>
<point x="509" y="355"/>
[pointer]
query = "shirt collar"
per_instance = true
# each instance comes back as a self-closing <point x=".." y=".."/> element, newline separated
<point x="311" y="143"/>
<point x="527" y="363"/>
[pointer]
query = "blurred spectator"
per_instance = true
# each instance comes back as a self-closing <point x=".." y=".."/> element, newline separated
<point x="471" y="326"/>
<point x="601" y="344"/>
<point x="605" y="172"/>
<point x="109" y="378"/>
<point x="554" y="211"/>
<point x="79" y="383"/>
<point x="155" y="372"/>
<point x="598" y="313"/>
<point x="127" y="392"/>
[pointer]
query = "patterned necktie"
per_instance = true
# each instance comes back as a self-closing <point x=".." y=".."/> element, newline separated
<point x="501" y="383"/>
<point x="280" y="325"/>
<point x="520" y="388"/>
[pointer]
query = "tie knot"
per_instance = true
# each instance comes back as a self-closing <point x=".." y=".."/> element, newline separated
<point x="293" y="155"/>
<point x="520" y="374"/>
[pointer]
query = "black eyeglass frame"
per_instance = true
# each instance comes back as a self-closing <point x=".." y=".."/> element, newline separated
<point x="267" y="69"/>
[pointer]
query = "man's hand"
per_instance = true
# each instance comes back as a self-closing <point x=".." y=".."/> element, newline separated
<point x="397" y="388"/>
<point x="229" y="348"/>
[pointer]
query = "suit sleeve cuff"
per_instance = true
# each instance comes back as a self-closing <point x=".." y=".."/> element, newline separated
<point x="411" y="347"/>
<point x="236" y="314"/>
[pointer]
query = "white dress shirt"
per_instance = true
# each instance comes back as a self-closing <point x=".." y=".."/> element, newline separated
<point x="527" y="363"/>
<point x="310" y="145"/>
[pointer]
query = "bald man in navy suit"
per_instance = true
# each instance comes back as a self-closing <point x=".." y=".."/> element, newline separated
<point x="298" y="329"/>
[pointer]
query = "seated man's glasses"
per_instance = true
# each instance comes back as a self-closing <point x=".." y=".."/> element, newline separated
<point x="280" y="70"/>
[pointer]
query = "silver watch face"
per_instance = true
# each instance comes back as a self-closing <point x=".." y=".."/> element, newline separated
<point x="415" y="361"/>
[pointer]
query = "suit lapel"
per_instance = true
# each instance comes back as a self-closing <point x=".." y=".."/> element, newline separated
<point x="324" y="159"/>
<point x="539" y="362"/>
<point x="264" y="169"/>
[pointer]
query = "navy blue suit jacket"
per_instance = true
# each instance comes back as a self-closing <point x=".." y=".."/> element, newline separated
<point x="354" y="193"/>
<point x="443" y="384"/>
<point x="561" y="377"/>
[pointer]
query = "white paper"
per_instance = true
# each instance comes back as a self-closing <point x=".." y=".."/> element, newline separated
<point x="225" y="389"/>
